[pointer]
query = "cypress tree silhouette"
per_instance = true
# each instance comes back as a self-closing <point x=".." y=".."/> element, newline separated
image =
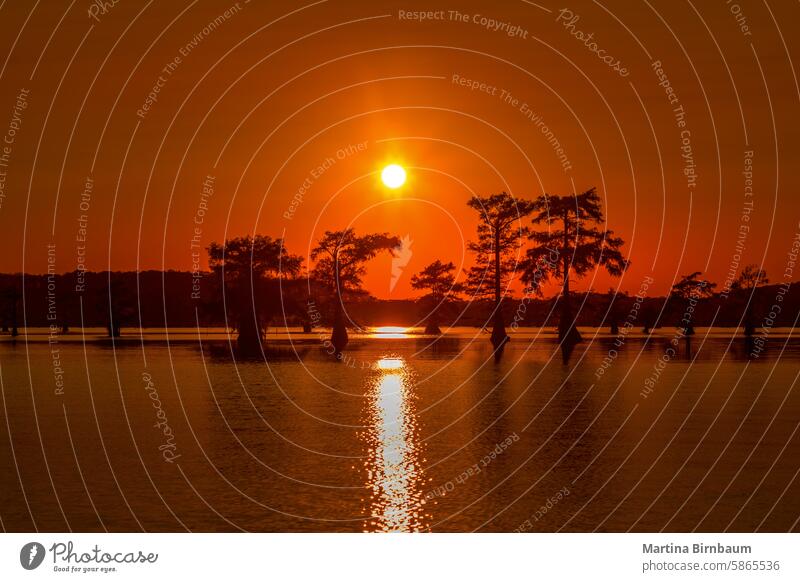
<point x="691" y="288"/>
<point x="579" y="245"/>
<point x="440" y="281"/>
<point x="252" y="267"/>
<point x="497" y="249"/>
<point x="340" y="256"/>
<point x="746" y="287"/>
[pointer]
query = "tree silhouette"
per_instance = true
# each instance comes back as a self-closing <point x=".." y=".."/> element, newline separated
<point x="440" y="281"/>
<point x="688" y="291"/>
<point x="745" y="285"/>
<point x="252" y="267"/>
<point x="573" y="243"/>
<point x="340" y="256"/>
<point x="497" y="251"/>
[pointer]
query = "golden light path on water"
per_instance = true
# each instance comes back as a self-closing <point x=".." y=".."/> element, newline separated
<point x="394" y="460"/>
<point x="389" y="332"/>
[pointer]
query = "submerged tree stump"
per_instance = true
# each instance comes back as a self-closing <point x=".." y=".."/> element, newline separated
<point x="433" y="329"/>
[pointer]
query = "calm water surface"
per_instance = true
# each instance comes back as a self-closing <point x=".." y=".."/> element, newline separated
<point x="401" y="435"/>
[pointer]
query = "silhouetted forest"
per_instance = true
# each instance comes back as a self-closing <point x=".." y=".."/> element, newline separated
<point x="255" y="283"/>
<point x="164" y="299"/>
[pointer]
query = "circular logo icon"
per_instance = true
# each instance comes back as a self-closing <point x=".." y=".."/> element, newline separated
<point x="31" y="555"/>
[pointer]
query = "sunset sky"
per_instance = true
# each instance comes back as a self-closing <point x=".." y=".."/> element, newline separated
<point x="308" y="103"/>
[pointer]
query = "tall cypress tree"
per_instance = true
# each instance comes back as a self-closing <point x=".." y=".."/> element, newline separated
<point x="497" y="251"/>
<point x="246" y="267"/>
<point x="575" y="238"/>
<point x="340" y="257"/>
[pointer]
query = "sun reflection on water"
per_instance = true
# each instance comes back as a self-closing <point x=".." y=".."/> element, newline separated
<point x="393" y="467"/>
<point x="389" y="332"/>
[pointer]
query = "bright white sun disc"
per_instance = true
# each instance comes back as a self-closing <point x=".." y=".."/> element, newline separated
<point x="393" y="176"/>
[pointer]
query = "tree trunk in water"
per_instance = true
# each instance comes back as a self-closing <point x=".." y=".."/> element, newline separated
<point x="14" y="330"/>
<point x="614" y="327"/>
<point x="499" y="335"/>
<point x="113" y="327"/>
<point x="432" y="326"/>
<point x="689" y="329"/>
<point x="567" y="332"/>
<point x="432" y="329"/>
<point x="749" y="326"/>
<point x="339" y="337"/>
<point x="116" y="322"/>
<point x="249" y="340"/>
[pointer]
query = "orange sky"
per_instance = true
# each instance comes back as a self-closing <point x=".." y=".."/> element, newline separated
<point x="266" y="95"/>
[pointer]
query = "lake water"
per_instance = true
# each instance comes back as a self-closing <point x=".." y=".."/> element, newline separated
<point x="401" y="435"/>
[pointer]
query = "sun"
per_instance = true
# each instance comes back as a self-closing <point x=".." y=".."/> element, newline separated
<point x="393" y="176"/>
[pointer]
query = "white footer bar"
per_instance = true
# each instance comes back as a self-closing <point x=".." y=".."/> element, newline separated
<point x="386" y="558"/>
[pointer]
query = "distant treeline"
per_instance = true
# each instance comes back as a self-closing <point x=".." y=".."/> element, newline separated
<point x="182" y="299"/>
